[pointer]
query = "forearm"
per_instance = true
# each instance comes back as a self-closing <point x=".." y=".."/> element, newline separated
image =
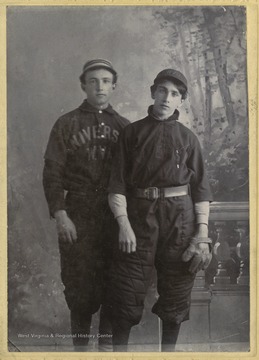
<point x="118" y="205"/>
<point x="53" y="186"/>
<point x="202" y="218"/>
<point x="127" y="238"/>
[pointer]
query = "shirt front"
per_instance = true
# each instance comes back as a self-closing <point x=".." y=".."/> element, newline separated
<point x="79" y="152"/>
<point x="156" y="153"/>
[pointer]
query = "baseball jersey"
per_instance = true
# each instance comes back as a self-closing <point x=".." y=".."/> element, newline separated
<point x="79" y="153"/>
<point x="155" y="153"/>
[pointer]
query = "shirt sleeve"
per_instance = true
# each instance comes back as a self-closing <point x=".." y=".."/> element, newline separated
<point x="119" y="170"/>
<point x="54" y="168"/>
<point x="200" y="188"/>
<point x="53" y="187"/>
<point x="57" y="145"/>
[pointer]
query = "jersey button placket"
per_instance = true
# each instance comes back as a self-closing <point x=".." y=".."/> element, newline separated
<point x="177" y="159"/>
<point x="159" y="144"/>
<point x="101" y="125"/>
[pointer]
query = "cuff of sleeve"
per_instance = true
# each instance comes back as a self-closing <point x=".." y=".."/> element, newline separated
<point x="202" y="210"/>
<point x="202" y="219"/>
<point x="118" y="205"/>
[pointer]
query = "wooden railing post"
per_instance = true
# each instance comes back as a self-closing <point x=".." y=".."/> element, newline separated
<point x="221" y="251"/>
<point x="231" y="250"/>
<point x="242" y="250"/>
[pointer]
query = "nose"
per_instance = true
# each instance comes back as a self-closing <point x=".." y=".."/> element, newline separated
<point x="99" y="85"/>
<point x="167" y="97"/>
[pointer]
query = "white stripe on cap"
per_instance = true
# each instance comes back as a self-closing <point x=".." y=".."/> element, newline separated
<point x="98" y="62"/>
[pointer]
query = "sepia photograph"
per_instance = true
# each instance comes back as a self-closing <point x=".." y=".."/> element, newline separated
<point x="128" y="155"/>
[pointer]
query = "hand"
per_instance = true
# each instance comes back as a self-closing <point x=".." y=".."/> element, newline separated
<point x="200" y="255"/>
<point x="199" y="250"/>
<point x="127" y="238"/>
<point x="65" y="227"/>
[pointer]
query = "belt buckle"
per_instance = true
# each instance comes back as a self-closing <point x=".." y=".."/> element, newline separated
<point x="152" y="193"/>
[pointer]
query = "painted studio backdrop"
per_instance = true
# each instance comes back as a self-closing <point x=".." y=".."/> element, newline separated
<point x="46" y="50"/>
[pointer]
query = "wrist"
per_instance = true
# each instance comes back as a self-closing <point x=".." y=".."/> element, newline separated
<point x="60" y="214"/>
<point x="121" y="219"/>
<point x="202" y="230"/>
<point x="202" y="225"/>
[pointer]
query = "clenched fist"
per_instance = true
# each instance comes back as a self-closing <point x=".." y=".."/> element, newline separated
<point x="199" y="252"/>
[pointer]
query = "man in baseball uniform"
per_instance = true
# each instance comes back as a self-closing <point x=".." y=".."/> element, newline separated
<point x="159" y="194"/>
<point x="76" y="173"/>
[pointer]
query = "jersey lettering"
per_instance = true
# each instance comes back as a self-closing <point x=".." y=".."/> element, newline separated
<point x="88" y="137"/>
<point x="97" y="152"/>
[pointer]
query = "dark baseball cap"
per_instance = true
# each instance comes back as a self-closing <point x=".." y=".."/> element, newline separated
<point x="171" y="74"/>
<point x="98" y="63"/>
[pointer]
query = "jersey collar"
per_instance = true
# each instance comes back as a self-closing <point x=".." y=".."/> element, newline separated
<point x="171" y="118"/>
<point x="85" y="106"/>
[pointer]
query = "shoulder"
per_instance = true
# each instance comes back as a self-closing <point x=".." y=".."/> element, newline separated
<point x="69" y="115"/>
<point x="136" y="125"/>
<point x="121" y="119"/>
<point x="187" y="133"/>
<point x="65" y="121"/>
<point x="184" y="129"/>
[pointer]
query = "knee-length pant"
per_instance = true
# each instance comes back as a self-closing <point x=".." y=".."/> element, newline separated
<point x="85" y="263"/>
<point x="163" y="228"/>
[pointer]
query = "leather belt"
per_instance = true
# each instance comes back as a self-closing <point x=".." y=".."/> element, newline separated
<point x="153" y="193"/>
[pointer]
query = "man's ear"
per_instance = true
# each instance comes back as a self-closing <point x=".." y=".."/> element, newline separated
<point x="182" y="101"/>
<point x="152" y="90"/>
<point x="83" y="87"/>
<point x="114" y="86"/>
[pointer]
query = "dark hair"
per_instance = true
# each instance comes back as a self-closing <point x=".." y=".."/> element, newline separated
<point x="180" y="86"/>
<point x="82" y="77"/>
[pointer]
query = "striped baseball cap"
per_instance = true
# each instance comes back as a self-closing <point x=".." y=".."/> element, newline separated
<point x="171" y="74"/>
<point x="98" y="63"/>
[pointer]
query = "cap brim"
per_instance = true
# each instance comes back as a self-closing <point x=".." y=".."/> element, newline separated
<point x="98" y="66"/>
<point x="170" y="77"/>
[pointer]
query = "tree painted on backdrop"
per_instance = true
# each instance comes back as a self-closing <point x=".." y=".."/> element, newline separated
<point x="209" y="45"/>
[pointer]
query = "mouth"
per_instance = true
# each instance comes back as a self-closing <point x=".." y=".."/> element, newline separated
<point x="164" y="106"/>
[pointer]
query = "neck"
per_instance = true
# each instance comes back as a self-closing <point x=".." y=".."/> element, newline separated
<point x="161" y="117"/>
<point x="98" y="107"/>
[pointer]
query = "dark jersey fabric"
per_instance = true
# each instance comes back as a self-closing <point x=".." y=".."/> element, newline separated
<point x="161" y="154"/>
<point x="79" y="153"/>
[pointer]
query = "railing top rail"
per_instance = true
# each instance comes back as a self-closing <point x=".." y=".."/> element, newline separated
<point x="226" y="211"/>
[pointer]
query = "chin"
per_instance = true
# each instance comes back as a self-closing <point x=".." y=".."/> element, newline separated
<point x="101" y="102"/>
<point x="164" y="115"/>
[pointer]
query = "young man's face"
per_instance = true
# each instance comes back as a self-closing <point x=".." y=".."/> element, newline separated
<point x="98" y="87"/>
<point x="167" y="99"/>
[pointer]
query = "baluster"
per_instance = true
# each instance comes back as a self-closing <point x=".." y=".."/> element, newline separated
<point x="221" y="251"/>
<point x="199" y="282"/>
<point x="242" y="250"/>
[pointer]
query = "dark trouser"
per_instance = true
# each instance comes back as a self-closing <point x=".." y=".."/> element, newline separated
<point x="163" y="229"/>
<point x="84" y="268"/>
<point x="81" y="324"/>
<point x="170" y="332"/>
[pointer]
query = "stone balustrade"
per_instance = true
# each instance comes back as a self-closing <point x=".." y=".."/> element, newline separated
<point x="229" y="229"/>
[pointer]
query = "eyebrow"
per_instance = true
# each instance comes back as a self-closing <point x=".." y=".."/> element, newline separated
<point x="104" y="78"/>
<point x="172" y="91"/>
